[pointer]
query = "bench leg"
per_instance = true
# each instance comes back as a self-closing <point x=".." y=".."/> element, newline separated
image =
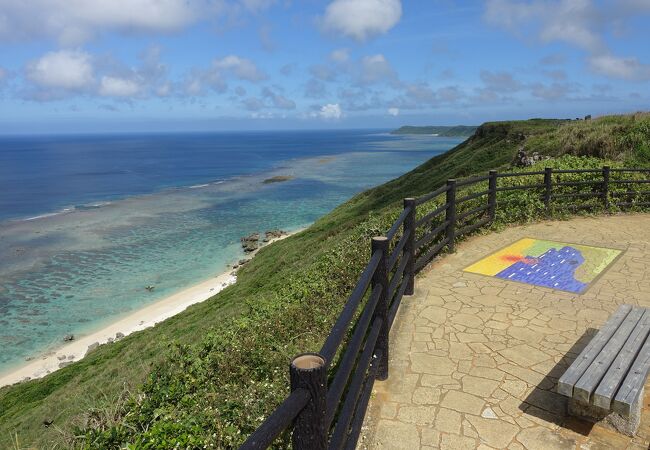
<point x="626" y="425"/>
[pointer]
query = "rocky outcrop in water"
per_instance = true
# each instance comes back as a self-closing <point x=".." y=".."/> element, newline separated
<point x="274" y="234"/>
<point x="250" y="243"/>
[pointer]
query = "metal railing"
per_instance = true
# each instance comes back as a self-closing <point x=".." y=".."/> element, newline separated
<point x="330" y="416"/>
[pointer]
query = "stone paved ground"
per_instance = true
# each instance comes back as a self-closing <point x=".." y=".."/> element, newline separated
<point x="475" y="360"/>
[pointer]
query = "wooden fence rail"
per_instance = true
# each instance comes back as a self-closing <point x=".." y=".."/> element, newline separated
<point x="323" y="416"/>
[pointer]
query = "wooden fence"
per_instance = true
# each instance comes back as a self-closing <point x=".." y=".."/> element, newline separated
<point x="329" y="415"/>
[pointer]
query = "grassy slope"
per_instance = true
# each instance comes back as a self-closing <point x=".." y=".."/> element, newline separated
<point x="295" y="284"/>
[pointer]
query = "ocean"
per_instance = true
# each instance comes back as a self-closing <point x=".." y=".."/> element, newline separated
<point x="86" y="222"/>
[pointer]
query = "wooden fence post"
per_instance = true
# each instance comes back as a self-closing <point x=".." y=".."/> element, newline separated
<point x="309" y="371"/>
<point x="492" y="195"/>
<point x="606" y="187"/>
<point x="450" y="215"/>
<point x="409" y="248"/>
<point x="380" y="281"/>
<point x="548" y="188"/>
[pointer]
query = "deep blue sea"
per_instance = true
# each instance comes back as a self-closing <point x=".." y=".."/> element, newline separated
<point x="87" y="221"/>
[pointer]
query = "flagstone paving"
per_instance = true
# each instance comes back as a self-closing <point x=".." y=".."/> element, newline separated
<point x="474" y="360"/>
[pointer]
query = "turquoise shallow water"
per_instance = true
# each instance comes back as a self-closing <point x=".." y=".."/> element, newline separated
<point x="75" y="271"/>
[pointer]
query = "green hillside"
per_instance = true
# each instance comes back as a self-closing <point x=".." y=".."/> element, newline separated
<point x="211" y="374"/>
<point x="442" y="131"/>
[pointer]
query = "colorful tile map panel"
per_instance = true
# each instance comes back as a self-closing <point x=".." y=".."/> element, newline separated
<point x="556" y="265"/>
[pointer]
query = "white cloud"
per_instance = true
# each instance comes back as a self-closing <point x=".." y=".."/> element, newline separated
<point x="72" y="22"/>
<point x="315" y="89"/>
<point x="361" y="19"/>
<point x="118" y="87"/>
<point x="199" y="80"/>
<point x="257" y="5"/>
<point x="253" y="103"/>
<point x="570" y="21"/>
<point x="164" y="90"/>
<point x="242" y="68"/>
<point x="64" y="69"/>
<point x="500" y="81"/>
<point x="65" y="73"/>
<point x="554" y="91"/>
<point x="615" y="67"/>
<point x="376" y="68"/>
<point x="277" y="100"/>
<point x="323" y="72"/>
<point x="330" y="111"/>
<point x="340" y="55"/>
<point x="393" y="111"/>
<point x="580" y="23"/>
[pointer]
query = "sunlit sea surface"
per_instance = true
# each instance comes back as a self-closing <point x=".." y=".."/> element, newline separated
<point x="87" y="222"/>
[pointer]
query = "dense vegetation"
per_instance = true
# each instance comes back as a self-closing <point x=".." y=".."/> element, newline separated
<point x="209" y="376"/>
<point x="453" y="131"/>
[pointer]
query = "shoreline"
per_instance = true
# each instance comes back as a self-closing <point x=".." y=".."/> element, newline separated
<point x="137" y="320"/>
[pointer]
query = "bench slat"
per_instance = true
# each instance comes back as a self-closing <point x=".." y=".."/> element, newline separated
<point x="612" y="380"/>
<point x="592" y="377"/>
<point x="577" y="369"/>
<point x="629" y="391"/>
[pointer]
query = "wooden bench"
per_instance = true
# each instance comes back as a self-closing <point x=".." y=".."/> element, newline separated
<point x="606" y="380"/>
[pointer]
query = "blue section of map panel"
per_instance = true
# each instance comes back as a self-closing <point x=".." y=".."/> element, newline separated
<point x="554" y="269"/>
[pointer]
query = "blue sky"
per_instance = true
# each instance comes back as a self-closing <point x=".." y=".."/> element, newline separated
<point x="173" y="65"/>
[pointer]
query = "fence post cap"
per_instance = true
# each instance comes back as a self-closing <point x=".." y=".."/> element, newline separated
<point x="451" y="180"/>
<point x="308" y="361"/>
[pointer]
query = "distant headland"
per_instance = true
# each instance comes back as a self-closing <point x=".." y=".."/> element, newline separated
<point x="451" y="131"/>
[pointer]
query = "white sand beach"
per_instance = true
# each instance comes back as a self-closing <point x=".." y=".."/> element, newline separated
<point x="138" y="320"/>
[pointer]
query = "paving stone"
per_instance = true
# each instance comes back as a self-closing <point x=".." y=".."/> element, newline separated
<point x="463" y="402"/>
<point x="487" y="372"/>
<point x="468" y="320"/>
<point x="471" y="337"/>
<point x="495" y="433"/>
<point x="524" y="355"/>
<point x="430" y="437"/>
<point x="514" y="387"/>
<point x="483" y="387"/>
<point x="388" y="410"/>
<point x="468" y="430"/>
<point x="417" y="414"/>
<point x="458" y="350"/>
<point x="438" y="381"/>
<point x="448" y="421"/>
<point x="436" y="365"/>
<point x="525" y="334"/>
<point x="396" y="435"/>
<point x="562" y="324"/>
<point x="539" y="438"/>
<point x="453" y="442"/>
<point x="497" y="325"/>
<point x="435" y="314"/>
<point x="426" y="396"/>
